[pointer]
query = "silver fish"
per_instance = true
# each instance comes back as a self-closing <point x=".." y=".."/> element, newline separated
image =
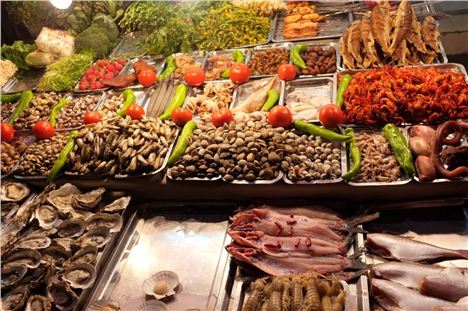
<point x="405" y="273"/>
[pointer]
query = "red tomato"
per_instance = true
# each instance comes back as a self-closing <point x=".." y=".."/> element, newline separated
<point x="194" y="76"/>
<point x="43" y="130"/>
<point x="181" y="116"/>
<point x="8" y="132"/>
<point x="224" y="115"/>
<point x="135" y="112"/>
<point x="331" y="116"/>
<point x="280" y="116"/>
<point x="287" y="72"/>
<point x="239" y="73"/>
<point x="147" y="77"/>
<point x="91" y="117"/>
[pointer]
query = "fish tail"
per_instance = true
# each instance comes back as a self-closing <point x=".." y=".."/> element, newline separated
<point x="354" y="221"/>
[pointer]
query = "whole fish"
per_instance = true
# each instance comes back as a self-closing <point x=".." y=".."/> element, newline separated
<point x="369" y="42"/>
<point x="401" y="54"/>
<point x="402" y="26"/>
<point x="404" y="249"/>
<point x="381" y="25"/>
<point x="312" y="211"/>
<point x="348" y="59"/>
<point x="354" y="41"/>
<point x="395" y="297"/>
<point x="451" y="284"/>
<point x="414" y="35"/>
<point x="430" y="33"/>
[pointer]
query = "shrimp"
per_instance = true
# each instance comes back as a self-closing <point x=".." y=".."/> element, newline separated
<point x="297" y="295"/>
<point x="312" y="297"/>
<point x="256" y="296"/>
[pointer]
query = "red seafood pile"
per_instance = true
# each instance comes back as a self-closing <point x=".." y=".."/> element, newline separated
<point x="406" y="95"/>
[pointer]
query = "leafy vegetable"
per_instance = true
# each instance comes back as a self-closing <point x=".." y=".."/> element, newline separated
<point x="107" y="25"/>
<point x="63" y="74"/>
<point x="94" y="39"/>
<point x="17" y="53"/>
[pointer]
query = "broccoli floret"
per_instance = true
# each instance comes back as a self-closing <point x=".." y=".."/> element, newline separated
<point x="107" y="25"/>
<point x="93" y="38"/>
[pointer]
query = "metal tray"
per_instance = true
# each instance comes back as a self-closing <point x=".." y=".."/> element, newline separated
<point x="131" y="45"/>
<point x="142" y="96"/>
<point x="244" y="51"/>
<point x="23" y="81"/>
<point x="285" y="46"/>
<point x="335" y="45"/>
<point x="246" y="89"/>
<point x="200" y="56"/>
<point x="156" y="62"/>
<point x="100" y="96"/>
<point x="160" y="98"/>
<point x="76" y="89"/>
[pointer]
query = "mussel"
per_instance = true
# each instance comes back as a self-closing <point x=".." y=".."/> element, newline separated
<point x="80" y="275"/>
<point x="71" y="228"/>
<point x="113" y="222"/>
<point x="15" y="299"/>
<point x="61" y="295"/>
<point x="38" y="303"/>
<point x="88" y="200"/>
<point x="13" y="192"/>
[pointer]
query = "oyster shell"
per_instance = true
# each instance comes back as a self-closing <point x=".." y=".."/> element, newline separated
<point x="113" y="222"/>
<point x="33" y="241"/>
<point x="38" y="303"/>
<point x="61" y="295"/>
<point x="117" y="205"/>
<point x="12" y="275"/>
<point x="81" y="214"/>
<point x="47" y="216"/>
<point x="15" y="299"/>
<point x="88" y="200"/>
<point x="71" y="228"/>
<point x="97" y="237"/>
<point x="55" y="255"/>
<point x="9" y="211"/>
<point x="81" y="275"/>
<point x="14" y="192"/>
<point x="37" y="277"/>
<point x="30" y="258"/>
<point x="62" y="197"/>
<point x="68" y="244"/>
<point x="161" y="284"/>
<point x="87" y="254"/>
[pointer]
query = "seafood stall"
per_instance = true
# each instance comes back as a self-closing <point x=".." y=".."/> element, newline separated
<point x="240" y="155"/>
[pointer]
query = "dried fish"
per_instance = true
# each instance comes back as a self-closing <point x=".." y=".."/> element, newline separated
<point x="368" y="39"/>
<point x="402" y="25"/>
<point x="430" y="33"/>
<point x="354" y="41"/>
<point x="381" y="25"/>
<point x="414" y="35"/>
<point x="348" y="59"/>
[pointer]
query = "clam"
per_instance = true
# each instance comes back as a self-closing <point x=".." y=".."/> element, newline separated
<point x="56" y="255"/>
<point x="47" y="216"/>
<point x="104" y="305"/>
<point x="117" y="205"/>
<point x="62" y="197"/>
<point x="61" y="295"/>
<point x="71" y="228"/>
<point x="12" y="275"/>
<point x="80" y="275"/>
<point x="67" y="243"/>
<point x="87" y="254"/>
<point x="113" y="222"/>
<point x="88" y="200"/>
<point x="30" y="258"/>
<point x="13" y="192"/>
<point x="33" y="241"/>
<point x="97" y="237"/>
<point x="15" y="299"/>
<point x="38" y="303"/>
<point x="161" y="284"/>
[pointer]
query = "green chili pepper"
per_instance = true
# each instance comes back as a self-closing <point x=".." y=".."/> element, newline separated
<point x="176" y="102"/>
<point x="62" y="158"/>
<point x="355" y="154"/>
<point x="129" y="99"/>
<point x="238" y="58"/>
<point x="56" y="110"/>
<point x="8" y="98"/>
<point x="344" y="83"/>
<point x="273" y="97"/>
<point x="296" y="55"/>
<point x="182" y="142"/>
<point x="400" y="147"/>
<point x="170" y="68"/>
<point x="315" y="130"/>
<point x="24" y="101"/>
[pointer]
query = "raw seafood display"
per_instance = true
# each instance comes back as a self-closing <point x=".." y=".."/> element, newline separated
<point x="384" y="36"/>
<point x="217" y="64"/>
<point x="71" y="116"/>
<point x="111" y="105"/>
<point x="306" y="291"/>
<point x="267" y="61"/>
<point x="214" y="97"/>
<point x="184" y="61"/>
<point x="302" y="20"/>
<point x="50" y="249"/>
<point x="11" y="153"/>
<point x="318" y="60"/>
<point x="409" y="95"/>
<point x="7" y="110"/>
<point x="39" y="109"/>
<point x="305" y="101"/>
<point x="254" y="96"/>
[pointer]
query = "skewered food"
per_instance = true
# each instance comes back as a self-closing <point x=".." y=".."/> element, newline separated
<point x="215" y="96"/>
<point x="301" y="20"/>
<point x="266" y="62"/>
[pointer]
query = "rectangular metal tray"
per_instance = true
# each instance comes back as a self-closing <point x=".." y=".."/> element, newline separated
<point x="244" y="51"/>
<point x="130" y="45"/>
<point x="100" y="96"/>
<point x="156" y="62"/>
<point x="23" y="81"/>
<point x="200" y="56"/>
<point x="142" y="96"/>
<point x="246" y="89"/>
<point x="160" y="96"/>
<point x="324" y="45"/>
<point x="285" y="46"/>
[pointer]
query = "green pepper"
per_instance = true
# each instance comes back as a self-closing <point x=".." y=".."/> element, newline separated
<point x="129" y="99"/>
<point x="355" y="154"/>
<point x="8" y="98"/>
<point x="344" y="83"/>
<point x="24" y="101"/>
<point x="182" y="142"/>
<point x="315" y="130"/>
<point x="176" y="102"/>
<point x="170" y="68"/>
<point x="56" y="110"/>
<point x="400" y="147"/>
<point x="238" y="58"/>
<point x="62" y="158"/>
<point x="273" y="97"/>
<point x="296" y="55"/>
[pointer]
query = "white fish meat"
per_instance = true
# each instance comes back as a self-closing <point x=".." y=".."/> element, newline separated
<point x="255" y="101"/>
<point x="408" y="274"/>
<point x="451" y="284"/>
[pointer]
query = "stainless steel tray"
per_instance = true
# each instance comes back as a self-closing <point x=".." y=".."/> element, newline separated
<point x="99" y="95"/>
<point x="156" y="62"/>
<point x="285" y="46"/>
<point x="200" y="56"/>
<point x="160" y="98"/>
<point x="244" y="51"/>
<point x="335" y="45"/>
<point x="142" y="96"/>
<point x="23" y="81"/>
<point x="246" y="89"/>
<point x="76" y="89"/>
<point x="131" y="45"/>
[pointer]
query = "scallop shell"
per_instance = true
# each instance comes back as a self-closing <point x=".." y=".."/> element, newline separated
<point x="14" y="192"/>
<point x="152" y="305"/>
<point x="98" y="305"/>
<point x="81" y="275"/>
<point x="169" y="277"/>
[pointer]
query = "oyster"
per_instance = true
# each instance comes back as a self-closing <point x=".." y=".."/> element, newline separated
<point x="12" y="275"/>
<point x="71" y="228"/>
<point x="113" y="222"/>
<point x="13" y="192"/>
<point x="116" y="205"/>
<point x="62" y="197"/>
<point x="15" y="299"/>
<point x="47" y="216"/>
<point x="38" y="303"/>
<point x="30" y="258"/>
<point x="88" y="200"/>
<point x="33" y="241"/>
<point x="9" y="211"/>
<point x="87" y="254"/>
<point x="37" y="277"/>
<point x="97" y="237"/>
<point x="67" y="243"/>
<point x="81" y="275"/>
<point x="81" y="214"/>
<point x="61" y="295"/>
<point x="56" y="255"/>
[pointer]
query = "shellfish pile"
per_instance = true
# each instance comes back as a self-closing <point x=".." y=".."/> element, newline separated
<point x="121" y="146"/>
<point x="50" y="244"/>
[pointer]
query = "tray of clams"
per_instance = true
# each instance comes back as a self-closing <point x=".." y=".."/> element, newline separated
<point x="55" y="243"/>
